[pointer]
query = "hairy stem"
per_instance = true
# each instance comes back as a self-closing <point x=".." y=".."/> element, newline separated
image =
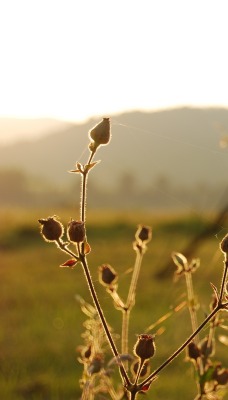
<point x="102" y="318"/>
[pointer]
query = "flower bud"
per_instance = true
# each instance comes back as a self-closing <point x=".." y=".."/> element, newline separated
<point x="76" y="231"/>
<point x="51" y="229"/>
<point x="224" y="244"/>
<point x="100" y="133"/>
<point x="143" y="234"/>
<point x="107" y="275"/>
<point x="144" y="347"/>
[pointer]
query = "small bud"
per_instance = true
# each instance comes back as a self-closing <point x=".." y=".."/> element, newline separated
<point x="193" y="351"/>
<point x="143" y="234"/>
<point x="51" y="229"/>
<point x="107" y="275"/>
<point x="76" y="231"/>
<point x="144" y="347"/>
<point x="224" y="244"/>
<point x="100" y="133"/>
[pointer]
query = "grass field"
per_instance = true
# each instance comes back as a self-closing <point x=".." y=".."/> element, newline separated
<point x="41" y="321"/>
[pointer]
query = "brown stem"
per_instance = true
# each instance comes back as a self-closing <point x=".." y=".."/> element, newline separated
<point x="103" y="320"/>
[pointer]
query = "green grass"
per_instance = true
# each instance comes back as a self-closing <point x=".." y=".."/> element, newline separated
<point x="41" y="322"/>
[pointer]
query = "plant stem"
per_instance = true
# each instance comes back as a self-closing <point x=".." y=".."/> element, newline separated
<point x="130" y="303"/>
<point x="131" y="294"/>
<point x="125" y="329"/>
<point x="191" y="303"/>
<point x="224" y="278"/>
<point x="84" y="185"/>
<point x="102" y="318"/>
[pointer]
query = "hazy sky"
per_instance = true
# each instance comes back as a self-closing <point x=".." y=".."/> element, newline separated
<point x="70" y="59"/>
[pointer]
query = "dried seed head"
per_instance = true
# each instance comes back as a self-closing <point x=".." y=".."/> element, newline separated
<point x="51" y="229"/>
<point x="221" y="376"/>
<point x="224" y="244"/>
<point x="107" y="275"/>
<point x="143" y="234"/>
<point x="193" y="351"/>
<point x="76" y="231"/>
<point x="144" y="347"/>
<point x="101" y="133"/>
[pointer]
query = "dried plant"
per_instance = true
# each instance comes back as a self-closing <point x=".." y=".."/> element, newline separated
<point x="98" y="370"/>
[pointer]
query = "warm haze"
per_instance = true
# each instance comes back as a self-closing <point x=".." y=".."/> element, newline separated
<point x="70" y="60"/>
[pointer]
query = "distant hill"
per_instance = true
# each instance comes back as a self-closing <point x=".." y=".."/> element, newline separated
<point x="180" y="144"/>
<point x="13" y="129"/>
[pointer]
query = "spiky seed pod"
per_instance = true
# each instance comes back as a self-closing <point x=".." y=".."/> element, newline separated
<point x="224" y="244"/>
<point x="51" y="229"/>
<point x="101" y="133"/>
<point x="76" y="231"/>
<point x="107" y="275"/>
<point x="144" y="347"/>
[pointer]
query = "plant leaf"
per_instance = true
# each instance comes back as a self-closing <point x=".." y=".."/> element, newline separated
<point x="69" y="263"/>
<point x="87" y="248"/>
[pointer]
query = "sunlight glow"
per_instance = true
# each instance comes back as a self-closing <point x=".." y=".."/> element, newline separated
<point x="69" y="60"/>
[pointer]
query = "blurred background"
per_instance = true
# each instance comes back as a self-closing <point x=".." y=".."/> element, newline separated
<point x="158" y="69"/>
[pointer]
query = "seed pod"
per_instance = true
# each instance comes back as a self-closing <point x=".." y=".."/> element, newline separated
<point x="76" y="231"/>
<point x="224" y="244"/>
<point x="144" y="347"/>
<point x="51" y="229"/>
<point x="221" y="376"/>
<point x="100" y="133"/>
<point x="193" y="351"/>
<point x="107" y="275"/>
<point x="143" y="234"/>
